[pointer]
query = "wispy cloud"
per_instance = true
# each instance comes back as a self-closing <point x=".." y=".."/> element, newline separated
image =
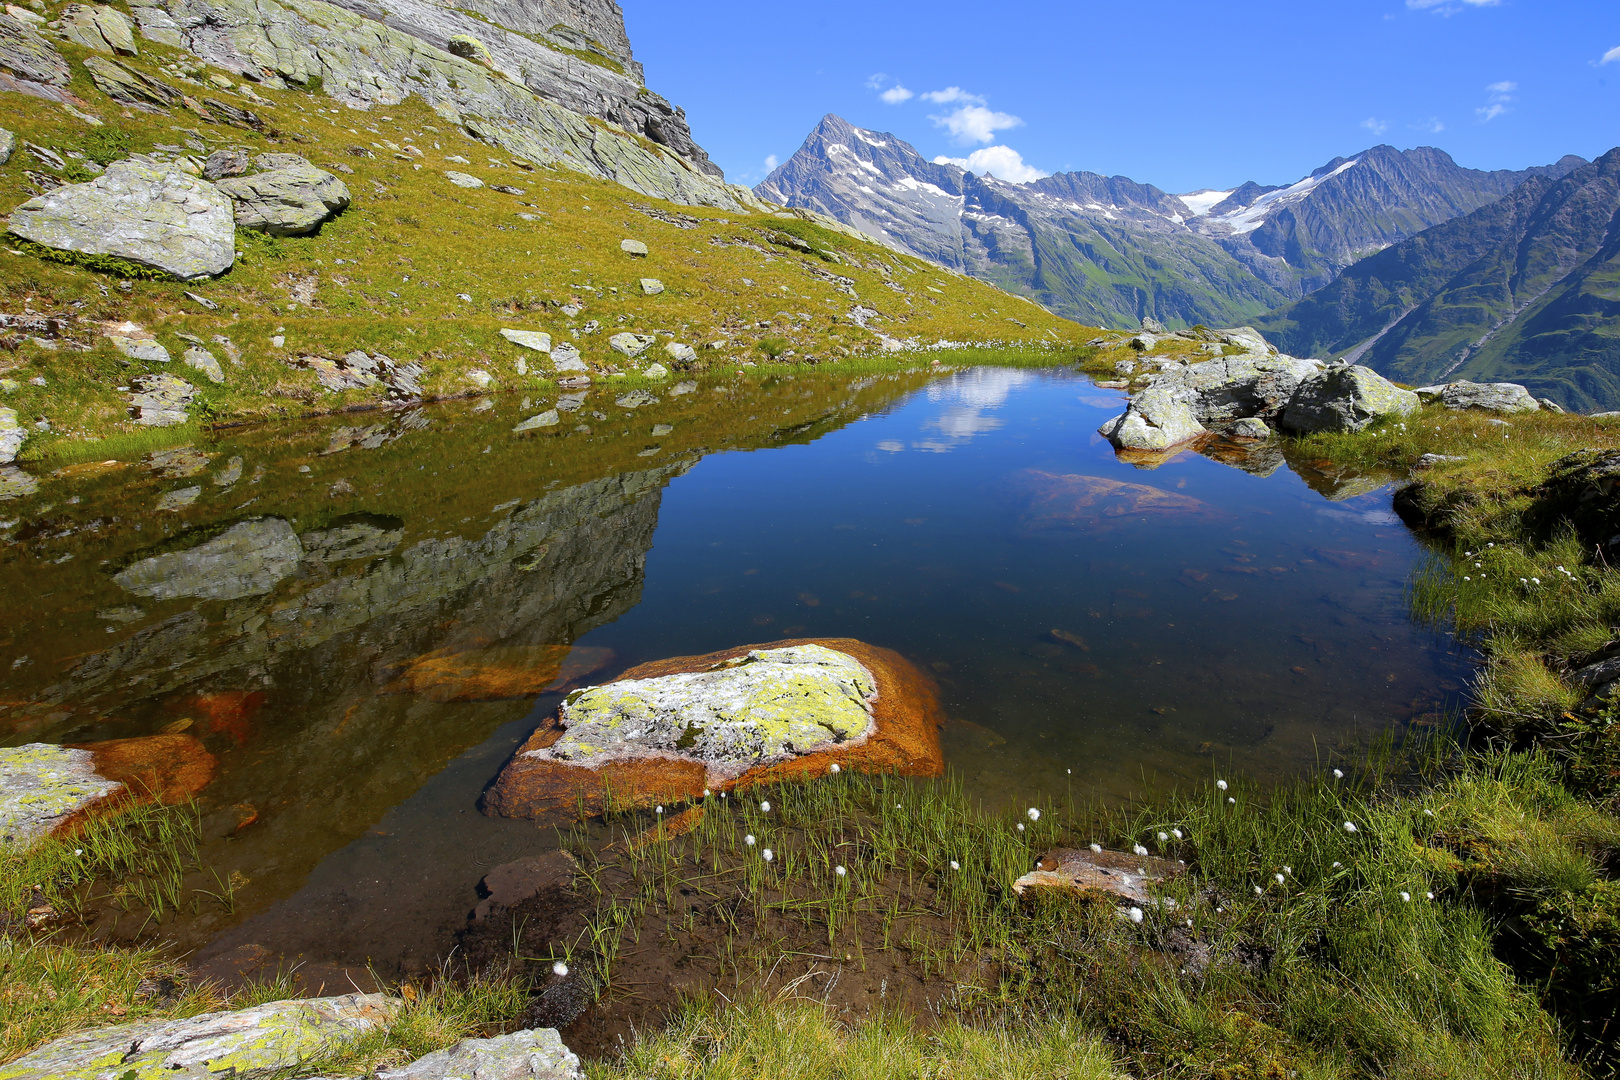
<point x="1002" y="162"/>
<point x="1499" y="96"/>
<point x="975" y="124"/>
<point x="1375" y="125"/>
<point x="771" y="163"/>
<point x="1431" y="126"/>
<point x="1612" y="56"/>
<point x="876" y="82"/>
<point x="951" y="95"/>
<point x="895" y="94"/>
<point x="1449" y="7"/>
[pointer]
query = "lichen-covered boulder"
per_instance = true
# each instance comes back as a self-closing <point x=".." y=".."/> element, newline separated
<point x="1226" y="389"/>
<point x="1345" y="398"/>
<point x="12" y="435"/>
<point x="1503" y="397"/>
<point x="288" y="201"/>
<point x="248" y="559"/>
<point x="667" y="731"/>
<point x="146" y="214"/>
<point x="1158" y="418"/>
<point x="43" y="786"/>
<point x="535" y="1054"/>
<point x="631" y="345"/>
<point x="160" y="399"/>
<point x="249" y="1044"/>
<point x="1114" y="873"/>
<point x="99" y="27"/>
<point x="537" y="340"/>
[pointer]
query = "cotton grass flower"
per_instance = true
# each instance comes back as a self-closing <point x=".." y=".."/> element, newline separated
<point x="1350" y="827"/>
<point x="1428" y="896"/>
<point x="1258" y="890"/>
<point x="1338" y="774"/>
<point x="1279" y="879"/>
<point x="835" y="768"/>
<point x="1406" y="897"/>
<point x="1020" y="826"/>
<point x="955" y="865"/>
<point x="767" y="854"/>
<point x="1135" y="914"/>
<point x="1164" y="837"/>
<point x="840" y="871"/>
<point x="1034" y="814"/>
<point x="1139" y="849"/>
<point x="705" y="793"/>
<point x="764" y="807"/>
<point x="1176" y="833"/>
<point x="749" y="840"/>
<point x="1096" y="849"/>
<point x="1231" y="800"/>
<point x="559" y="969"/>
<point x="659" y="809"/>
<point x="1221" y="784"/>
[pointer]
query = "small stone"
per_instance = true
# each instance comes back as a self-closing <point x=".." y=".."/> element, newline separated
<point x="566" y="357"/>
<point x="160" y="400"/>
<point x="202" y="300"/>
<point x="631" y="345"/>
<point x="225" y="163"/>
<point x="1152" y="325"/>
<point x="521" y="367"/>
<point x="651" y="286"/>
<point x="12" y="435"/>
<point x="144" y="348"/>
<point x="529" y="339"/>
<point x="660" y="430"/>
<point x="1429" y="461"/>
<point x="549" y="418"/>
<point x="8" y="145"/>
<point x="680" y="354"/>
<point x="635" y="399"/>
<point x="461" y="179"/>
<point x="633" y="247"/>
<point x="1250" y="427"/>
<point x="204" y="361"/>
<point x="480" y="378"/>
<point x="656" y="371"/>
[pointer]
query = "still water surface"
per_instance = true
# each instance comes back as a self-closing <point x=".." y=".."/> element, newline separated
<point x="1095" y="627"/>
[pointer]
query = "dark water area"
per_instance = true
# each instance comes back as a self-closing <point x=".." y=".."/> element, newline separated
<point x="361" y="617"/>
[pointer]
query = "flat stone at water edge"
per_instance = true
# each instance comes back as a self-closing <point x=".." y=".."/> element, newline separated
<point x="566" y="357"/>
<point x="529" y="339"/>
<point x="12" y="435"/>
<point x="204" y="361"/>
<point x="42" y="786"/>
<point x="533" y="1054"/>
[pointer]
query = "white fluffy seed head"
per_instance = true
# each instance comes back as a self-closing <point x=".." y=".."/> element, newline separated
<point x="1176" y="833"/>
<point x="1231" y="800"/>
<point x="1020" y="826"/>
<point x="765" y="807"/>
<point x="749" y="839"/>
<point x="767" y="854"/>
<point x="1338" y="774"/>
<point x="840" y="871"/>
<point x="1257" y="890"/>
<point x="1221" y="784"/>
<point x="705" y="793"/>
<point x="1350" y="826"/>
<point x="1034" y="814"/>
<point x="1428" y="896"/>
<point x="1136" y="914"/>
<point x="1406" y="897"/>
<point x="1139" y="849"/>
<point x="955" y="865"/>
<point x="1279" y="878"/>
<point x="835" y="768"/>
<point x="1096" y="848"/>
<point x="659" y="809"/>
<point x="559" y="969"/>
<point x="1164" y="836"/>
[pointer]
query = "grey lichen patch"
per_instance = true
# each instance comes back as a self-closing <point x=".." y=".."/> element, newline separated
<point x="771" y="705"/>
<point x="41" y="786"/>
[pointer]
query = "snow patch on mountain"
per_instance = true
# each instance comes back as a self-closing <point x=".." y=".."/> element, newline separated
<point x="1199" y="203"/>
<point x="1254" y="215"/>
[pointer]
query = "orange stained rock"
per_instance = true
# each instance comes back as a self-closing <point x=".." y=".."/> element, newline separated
<point x="904" y="741"/>
<point x="165" y="768"/>
<point x="1056" y="501"/>
<point x="229" y="712"/>
<point x="495" y="674"/>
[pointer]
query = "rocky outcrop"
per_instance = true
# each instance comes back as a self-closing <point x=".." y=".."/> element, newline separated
<point x="670" y="730"/>
<point x="1488" y="397"/>
<point x="535" y="1054"/>
<point x="99" y="27"/>
<point x="248" y="559"/>
<point x="145" y="214"/>
<point x="251" y="1044"/>
<point x="160" y="400"/>
<point x="1158" y="418"/>
<point x="25" y="54"/>
<point x="1346" y="397"/>
<point x="288" y="201"/>
<point x="46" y="789"/>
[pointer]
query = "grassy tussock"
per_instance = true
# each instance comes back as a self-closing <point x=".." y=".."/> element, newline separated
<point x="802" y="1040"/>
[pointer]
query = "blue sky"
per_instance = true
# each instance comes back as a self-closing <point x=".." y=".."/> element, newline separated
<point x="1179" y="94"/>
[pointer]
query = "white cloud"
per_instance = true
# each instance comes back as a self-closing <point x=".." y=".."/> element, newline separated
<point x="1432" y="126"/>
<point x="1611" y="56"/>
<point x="1375" y="125"/>
<point x="975" y="123"/>
<point x="895" y="94"/>
<point x="1500" y="94"/>
<point x="771" y="163"/>
<point x="875" y="82"/>
<point x="1449" y="7"/>
<point x="953" y="94"/>
<point x="1002" y="162"/>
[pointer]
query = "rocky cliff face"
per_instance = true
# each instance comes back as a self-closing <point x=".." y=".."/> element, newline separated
<point x="1110" y="250"/>
<point x="526" y="75"/>
<point x="1521" y="289"/>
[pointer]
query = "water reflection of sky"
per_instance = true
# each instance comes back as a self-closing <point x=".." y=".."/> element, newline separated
<point x="969" y="398"/>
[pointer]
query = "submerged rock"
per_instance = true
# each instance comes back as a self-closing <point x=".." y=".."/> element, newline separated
<point x="668" y="730"/>
<point x="1070" y="501"/>
<point x="1346" y="398"/>
<point x="248" y="559"/>
<point x="146" y="214"/>
<point x="1115" y="873"/>
<point x="249" y="1044"/>
<point x="534" y="1054"/>
<point x="513" y="671"/>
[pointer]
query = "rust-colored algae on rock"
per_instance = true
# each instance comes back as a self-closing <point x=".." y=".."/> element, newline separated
<point x="903" y="739"/>
<point x="162" y="768"/>
<point x="1069" y="501"/>
<point x="499" y="673"/>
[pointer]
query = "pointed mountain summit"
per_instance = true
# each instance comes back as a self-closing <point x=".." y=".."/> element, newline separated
<point x="1110" y="250"/>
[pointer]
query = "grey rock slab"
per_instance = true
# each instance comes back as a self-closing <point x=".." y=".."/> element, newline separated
<point x="248" y="559"/>
<point x="156" y="24"/>
<point x="24" y="52"/>
<point x="288" y="201"/>
<point x="633" y="247"/>
<point x="1429" y="461"/>
<point x="1250" y="427"/>
<point x="681" y="354"/>
<point x="1345" y="398"/>
<point x="529" y="339"/>
<point x="1550" y="405"/>
<point x="631" y="345"/>
<point x="140" y="348"/>
<point x="12" y="434"/>
<point x="656" y="371"/>
<point x="132" y="87"/>
<point x="99" y="27"/>
<point x="549" y="418"/>
<point x="1125" y="876"/>
<point x="204" y="361"/>
<point x="651" y="286"/>
<point x="144" y="213"/>
<point x="534" y="1054"/>
<point x="461" y="179"/>
<point x="8" y="145"/>
<point x="635" y="399"/>
<point x="358" y="539"/>
<point x="42" y="786"/>
<point x="250" y="1044"/>
<point x="1156" y="419"/>
<point x="225" y="163"/>
<point x="566" y="357"/>
<point x="1598" y="674"/>
<point x="270" y="162"/>
<point x="160" y="400"/>
<point x="1230" y="388"/>
<point x="1491" y="397"/>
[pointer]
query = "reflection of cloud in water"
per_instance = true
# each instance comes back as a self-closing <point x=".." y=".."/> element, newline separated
<point x="967" y="394"/>
<point x="893" y="446"/>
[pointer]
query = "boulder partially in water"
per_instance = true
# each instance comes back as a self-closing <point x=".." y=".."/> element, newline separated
<point x="1111" y="873"/>
<point x="1346" y="397"/>
<point x="666" y="731"/>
